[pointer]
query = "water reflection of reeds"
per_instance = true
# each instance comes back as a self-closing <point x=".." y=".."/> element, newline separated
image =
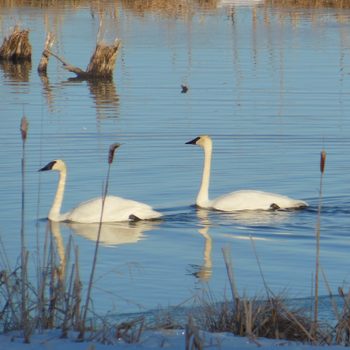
<point x="104" y="94"/>
<point x="19" y="72"/>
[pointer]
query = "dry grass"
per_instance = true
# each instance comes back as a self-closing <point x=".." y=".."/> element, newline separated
<point x="47" y="300"/>
<point x="255" y="317"/>
<point x="16" y="47"/>
<point x="174" y="8"/>
<point x="308" y="3"/>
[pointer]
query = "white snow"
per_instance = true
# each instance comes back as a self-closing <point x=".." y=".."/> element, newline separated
<point x="169" y="340"/>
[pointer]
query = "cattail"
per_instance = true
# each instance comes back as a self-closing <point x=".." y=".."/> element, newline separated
<point x="112" y="149"/>
<point x="24" y="128"/>
<point x="81" y="334"/>
<point x="323" y="161"/>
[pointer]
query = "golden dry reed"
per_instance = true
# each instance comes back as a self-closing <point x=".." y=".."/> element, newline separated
<point x="16" y="47"/>
<point x="112" y="149"/>
<point x="309" y="3"/>
<point x="24" y="128"/>
<point x="81" y="335"/>
<point x="318" y="239"/>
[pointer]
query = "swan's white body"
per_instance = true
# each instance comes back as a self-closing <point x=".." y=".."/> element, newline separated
<point x="115" y="208"/>
<point x="238" y="200"/>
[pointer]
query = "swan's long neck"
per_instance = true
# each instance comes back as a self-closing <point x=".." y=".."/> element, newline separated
<point x="203" y="194"/>
<point x="55" y="211"/>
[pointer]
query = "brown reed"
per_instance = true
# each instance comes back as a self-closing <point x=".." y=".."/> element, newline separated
<point x="318" y="237"/>
<point x="111" y="151"/>
<point x="24" y="253"/>
<point x="16" y="47"/>
<point x="192" y="339"/>
<point x="253" y="317"/>
<point x="308" y="3"/>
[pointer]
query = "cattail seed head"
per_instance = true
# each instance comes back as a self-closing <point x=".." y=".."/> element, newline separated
<point x="322" y="161"/>
<point x="24" y="128"/>
<point x="112" y="149"/>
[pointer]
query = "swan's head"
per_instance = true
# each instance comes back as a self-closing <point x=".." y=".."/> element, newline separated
<point x="202" y="141"/>
<point x="57" y="164"/>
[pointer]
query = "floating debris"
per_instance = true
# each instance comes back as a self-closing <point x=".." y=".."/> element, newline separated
<point x="184" y="89"/>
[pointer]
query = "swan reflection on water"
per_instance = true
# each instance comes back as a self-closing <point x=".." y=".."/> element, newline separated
<point x="257" y="217"/>
<point x="247" y="219"/>
<point x="204" y="272"/>
<point x="114" y="233"/>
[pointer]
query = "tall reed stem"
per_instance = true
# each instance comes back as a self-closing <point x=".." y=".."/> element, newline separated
<point x="112" y="149"/>
<point x="318" y="236"/>
<point x="24" y="260"/>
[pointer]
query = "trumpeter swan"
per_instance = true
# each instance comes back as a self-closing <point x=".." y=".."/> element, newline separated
<point x="115" y="208"/>
<point x="238" y="200"/>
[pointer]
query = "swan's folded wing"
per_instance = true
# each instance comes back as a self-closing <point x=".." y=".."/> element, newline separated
<point x="115" y="209"/>
<point x="255" y="200"/>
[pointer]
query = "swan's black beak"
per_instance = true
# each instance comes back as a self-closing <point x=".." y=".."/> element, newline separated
<point x="193" y="142"/>
<point x="48" y="166"/>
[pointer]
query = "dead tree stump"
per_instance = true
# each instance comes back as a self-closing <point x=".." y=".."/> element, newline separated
<point x="44" y="61"/>
<point x="16" y="47"/>
<point x="101" y="64"/>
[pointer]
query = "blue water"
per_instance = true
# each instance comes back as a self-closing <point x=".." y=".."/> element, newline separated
<point x="272" y="89"/>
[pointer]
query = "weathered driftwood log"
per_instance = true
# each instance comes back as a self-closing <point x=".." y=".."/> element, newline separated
<point x="16" y="47"/>
<point x="101" y="64"/>
<point x="44" y="61"/>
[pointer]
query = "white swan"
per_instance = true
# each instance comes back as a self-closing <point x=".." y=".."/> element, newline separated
<point x="115" y="208"/>
<point x="238" y="200"/>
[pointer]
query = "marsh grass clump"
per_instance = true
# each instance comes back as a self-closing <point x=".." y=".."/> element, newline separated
<point x="342" y="328"/>
<point x="254" y="317"/>
<point x="309" y="3"/>
<point x="174" y="8"/>
<point x="51" y="301"/>
<point x="16" y="47"/>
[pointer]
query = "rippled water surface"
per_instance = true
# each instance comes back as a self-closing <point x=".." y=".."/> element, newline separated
<point x="271" y="86"/>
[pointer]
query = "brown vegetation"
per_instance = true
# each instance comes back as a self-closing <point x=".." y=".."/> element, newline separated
<point x="308" y="3"/>
<point x="101" y="64"/>
<point x="16" y="46"/>
<point x="174" y="8"/>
